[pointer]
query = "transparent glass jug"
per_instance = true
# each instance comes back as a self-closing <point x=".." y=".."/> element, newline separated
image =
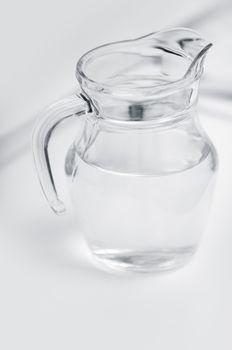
<point x="142" y="172"/>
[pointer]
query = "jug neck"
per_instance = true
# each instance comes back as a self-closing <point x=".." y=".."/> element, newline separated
<point x="161" y="109"/>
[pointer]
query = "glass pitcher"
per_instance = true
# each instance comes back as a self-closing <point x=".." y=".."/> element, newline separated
<point x="142" y="172"/>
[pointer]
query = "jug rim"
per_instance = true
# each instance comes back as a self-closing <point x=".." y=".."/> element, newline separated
<point x="166" y="88"/>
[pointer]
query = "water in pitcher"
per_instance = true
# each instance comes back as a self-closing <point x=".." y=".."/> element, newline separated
<point x="142" y="222"/>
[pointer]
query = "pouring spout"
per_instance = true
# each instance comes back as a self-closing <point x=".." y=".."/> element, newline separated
<point x="185" y="42"/>
<point x="196" y="66"/>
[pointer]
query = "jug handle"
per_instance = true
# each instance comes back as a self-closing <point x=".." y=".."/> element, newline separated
<point x="72" y="106"/>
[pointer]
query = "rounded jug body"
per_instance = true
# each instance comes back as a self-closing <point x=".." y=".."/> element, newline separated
<point x="142" y="194"/>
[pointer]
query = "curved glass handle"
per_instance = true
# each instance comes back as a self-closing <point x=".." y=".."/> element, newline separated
<point x="73" y="106"/>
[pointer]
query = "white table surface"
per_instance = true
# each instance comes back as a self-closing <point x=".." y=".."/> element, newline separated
<point x="53" y="297"/>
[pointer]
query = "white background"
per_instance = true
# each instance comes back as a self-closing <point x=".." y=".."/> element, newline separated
<point x="41" y="42"/>
<point x="51" y="294"/>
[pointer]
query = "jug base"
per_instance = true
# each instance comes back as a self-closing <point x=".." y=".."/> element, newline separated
<point x="145" y="261"/>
